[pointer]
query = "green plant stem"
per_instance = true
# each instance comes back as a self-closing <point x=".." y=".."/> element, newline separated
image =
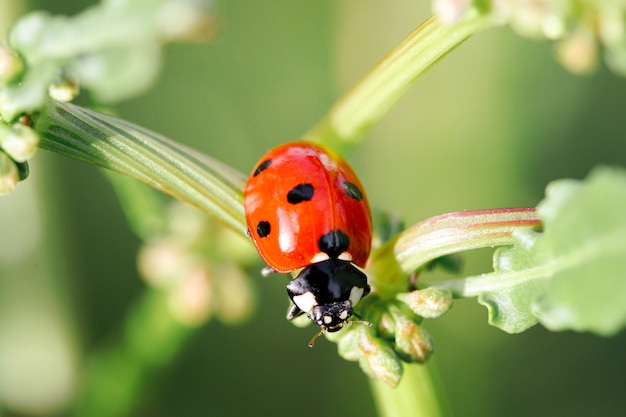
<point x="460" y="231"/>
<point x="419" y="394"/>
<point x="361" y="108"/>
<point x="442" y="235"/>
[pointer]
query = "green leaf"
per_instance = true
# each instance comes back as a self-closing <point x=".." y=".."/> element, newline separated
<point x="570" y="277"/>
<point x="588" y="234"/>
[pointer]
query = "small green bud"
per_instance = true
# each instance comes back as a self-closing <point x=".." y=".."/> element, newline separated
<point x="413" y="343"/>
<point x="65" y="90"/>
<point x="164" y="262"/>
<point x="234" y="295"/>
<point x="19" y="141"/>
<point x="348" y="342"/>
<point x="11" y="66"/>
<point x="429" y="303"/>
<point x="377" y="359"/>
<point x="386" y="326"/>
<point x="191" y="301"/>
<point x="9" y="174"/>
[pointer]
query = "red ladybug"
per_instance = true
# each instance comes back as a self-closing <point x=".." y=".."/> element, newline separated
<point x="305" y="208"/>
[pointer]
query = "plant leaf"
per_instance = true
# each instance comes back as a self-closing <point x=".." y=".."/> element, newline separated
<point x="570" y="276"/>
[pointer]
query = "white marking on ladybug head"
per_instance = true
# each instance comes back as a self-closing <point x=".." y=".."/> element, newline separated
<point x="343" y="315"/>
<point x="328" y="319"/>
<point x="305" y="302"/>
<point x="319" y="257"/>
<point x="345" y="256"/>
<point x="356" y="293"/>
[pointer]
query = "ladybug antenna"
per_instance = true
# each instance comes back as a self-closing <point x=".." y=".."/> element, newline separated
<point x="366" y="323"/>
<point x="348" y="323"/>
<point x="316" y="335"/>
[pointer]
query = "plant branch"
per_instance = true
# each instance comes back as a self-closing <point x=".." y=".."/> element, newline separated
<point x="361" y="108"/>
<point x="418" y="395"/>
<point x="151" y="158"/>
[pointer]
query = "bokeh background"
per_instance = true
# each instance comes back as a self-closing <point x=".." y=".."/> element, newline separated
<point x="488" y="127"/>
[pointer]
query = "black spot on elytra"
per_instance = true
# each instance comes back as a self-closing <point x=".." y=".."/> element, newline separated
<point x="353" y="191"/>
<point x="300" y="193"/>
<point x="334" y="243"/>
<point x="263" y="228"/>
<point x="262" y="166"/>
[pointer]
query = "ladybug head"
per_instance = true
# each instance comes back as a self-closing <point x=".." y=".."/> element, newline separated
<point x="327" y="291"/>
<point x="331" y="317"/>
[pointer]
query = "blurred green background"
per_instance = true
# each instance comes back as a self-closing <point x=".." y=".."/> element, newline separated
<point x="488" y="127"/>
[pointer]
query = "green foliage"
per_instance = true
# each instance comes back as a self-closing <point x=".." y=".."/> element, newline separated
<point x="569" y="276"/>
<point x="113" y="49"/>
<point x="574" y="274"/>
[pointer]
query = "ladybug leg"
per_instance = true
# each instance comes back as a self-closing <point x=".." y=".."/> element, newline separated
<point x="294" y="311"/>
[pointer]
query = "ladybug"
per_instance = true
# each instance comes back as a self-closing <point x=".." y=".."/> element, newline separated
<point x="306" y="209"/>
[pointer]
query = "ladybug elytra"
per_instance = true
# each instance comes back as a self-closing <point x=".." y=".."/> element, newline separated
<point x="306" y="209"/>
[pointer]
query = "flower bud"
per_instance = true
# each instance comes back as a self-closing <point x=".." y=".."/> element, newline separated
<point x="191" y="301"/>
<point x="348" y="342"/>
<point x="578" y="52"/>
<point x="429" y="303"/>
<point x="377" y="359"/>
<point x="386" y="326"/>
<point x="450" y="11"/>
<point x="19" y="141"/>
<point x="64" y="90"/>
<point x="235" y="298"/>
<point x="9" y="174"/>
<point x="163" y="262"/>
<point x="11" y="66"/>
<point x="413" y="343"/>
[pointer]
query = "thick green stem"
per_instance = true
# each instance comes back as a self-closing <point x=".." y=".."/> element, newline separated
<point x="456" y="232"/>
<point x="419" y="394"/>
<point x="361" y="108"/>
